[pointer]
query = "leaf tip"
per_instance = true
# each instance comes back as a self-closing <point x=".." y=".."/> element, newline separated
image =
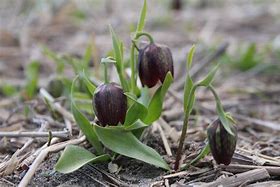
<point x="190" y="56"/>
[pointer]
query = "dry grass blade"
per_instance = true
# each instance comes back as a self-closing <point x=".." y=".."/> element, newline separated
<point x="164" y="139"/>
<point x="43" y="154"/>
<point x="60" y="134"/>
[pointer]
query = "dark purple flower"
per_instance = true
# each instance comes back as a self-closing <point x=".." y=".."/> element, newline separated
<point x="222" y="144"/>
<point x="109" y="104"/>
<point x="154" y="62"/>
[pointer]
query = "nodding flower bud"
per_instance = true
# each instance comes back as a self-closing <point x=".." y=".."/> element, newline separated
<point x="222" y="144"/>
<point x="109" y="104"/>
<point x="154" y="62"/>
<point x="55" y="87"/>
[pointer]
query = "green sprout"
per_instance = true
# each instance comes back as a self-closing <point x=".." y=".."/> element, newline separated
<point x="189" y="99"/>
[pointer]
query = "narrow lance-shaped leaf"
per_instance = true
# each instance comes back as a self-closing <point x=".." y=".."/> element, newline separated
<point x="209" y="77"/>
<point x="221" y="112"/>
<point x="191" y="99"/>
<point x="90" y="86"/>
<point x="32" y="74"/>
<point x="108" y="60"/>
<point x="223" y="118"/>
<point x="144" y="98"/>
<point x="125" y="143"/>
<point x="141" y="21"/>
<point x="190" y="58"/>
<point x="189" y="82"/>
<point x="83" y="102"/>
<point x="187" y="91"/>
<point x="122" y="50"/>
<point x="74" y="157"/>
<point x="116" y="49"/>
<point x="118" y="57"/>
<point x="190" y="87"/>
<point x="84" y="124"/>
<point x="136" y="125"/>
<point x="135" y="112"/>
<point x="155" y="105"/>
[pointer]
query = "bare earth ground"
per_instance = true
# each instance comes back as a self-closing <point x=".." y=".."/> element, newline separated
<point x="251" y="96"/>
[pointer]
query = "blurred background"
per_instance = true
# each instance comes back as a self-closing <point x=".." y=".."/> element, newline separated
<point x="68" y="26"/>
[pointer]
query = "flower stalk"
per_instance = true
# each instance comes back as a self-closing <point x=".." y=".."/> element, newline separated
<point x="106" y="78"/>
<point x="140" y="34"/>
<point x="132" y="59"/>
<point x="185" y="127"/>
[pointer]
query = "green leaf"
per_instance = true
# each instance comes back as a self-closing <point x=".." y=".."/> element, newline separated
<point x="190" y="58"/>
<point x="221" y="113"/>
<point x="80" y="96"/>
<point x="121" y="49"/>
<point x="141" y="21"/>
<point x="67" y="85"/>
<point x="189" y="87"/>
<point x="209" y="77"/>
<point x="85" y="105"/>
<point x="107" y="60"/>
<point x="187" y="91"/>
<point x="248" y="59"/>
<point x="125" y="143"/>
<point x="90" y="86"/>
<point x="155" y="105"/>
<point x="74" y="157"/>
<point x="135" y="112"/>
<point x="32" y="76"/>
<point x="118" y="57"/>
<point x="137" y="125"/>
<point x="144" y="97"/>
<point x="190" y="106"/>
<point x="223" y="118"/>
<point x="230" y="118"/>
<point x="84" y="124"/>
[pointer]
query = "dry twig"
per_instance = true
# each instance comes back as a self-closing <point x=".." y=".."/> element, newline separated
<point x="239" y="179"/>
<point x="60" y="134"/>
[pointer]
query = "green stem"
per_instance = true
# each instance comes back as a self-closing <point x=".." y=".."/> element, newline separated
<point x="135" y="45"/>
<point x="132" y="58"/>
<point x="122" y="73"/>
<point x="220" y="110"/>
<point x="185" y="127"/>
<point x="106" y="73"/>
<point x="182" y="139"/>
<point x="218" y="101"/>
<point x="139" y="34"/>
<point x="133" y="69"/>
